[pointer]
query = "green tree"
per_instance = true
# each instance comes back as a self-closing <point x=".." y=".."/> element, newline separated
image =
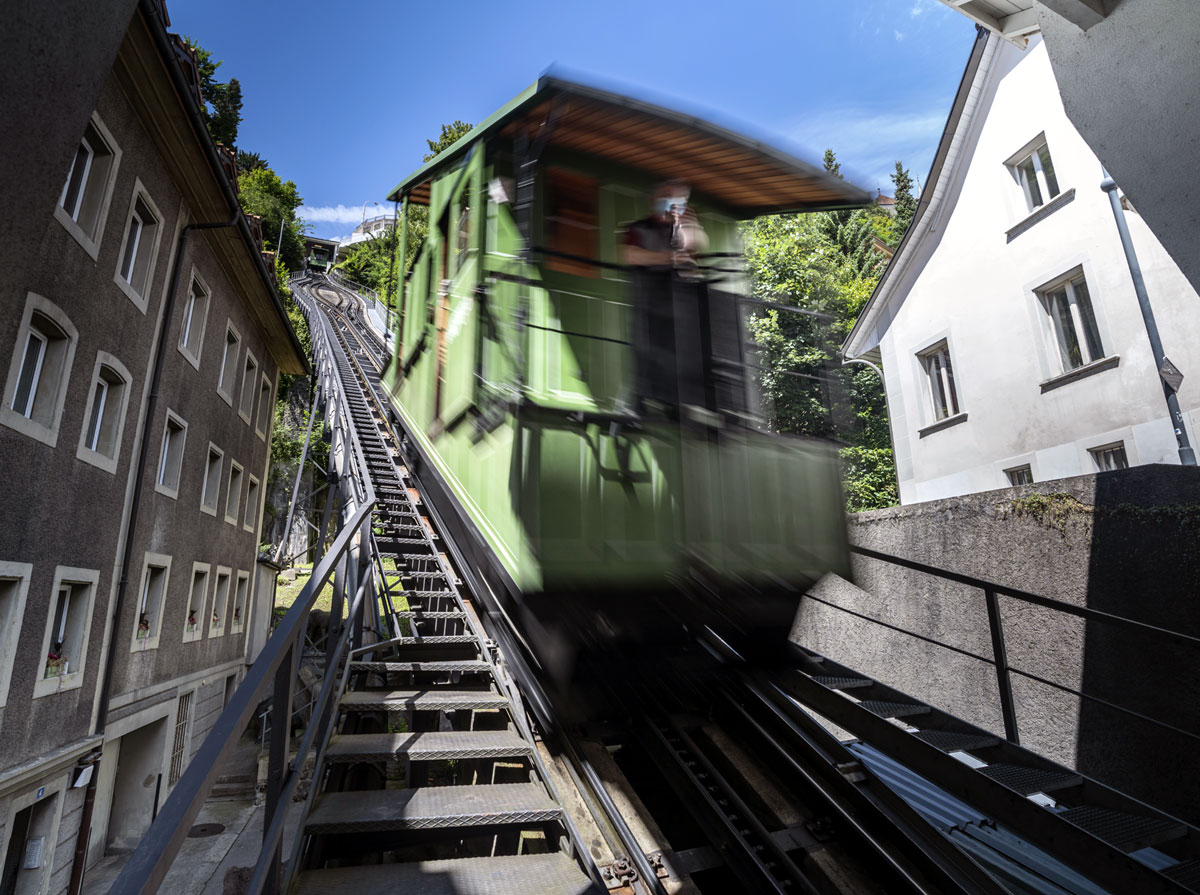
<point x="451" y="134"/>
<point x="261" y="192"/>
<point x="906" y="205"/>
<point x="832" y="165"/>
<point x="250" y="161"/>
<point x="222" y="106"/>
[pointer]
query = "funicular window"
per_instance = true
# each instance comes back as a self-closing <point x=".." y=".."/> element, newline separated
<point x="572" y="202"/>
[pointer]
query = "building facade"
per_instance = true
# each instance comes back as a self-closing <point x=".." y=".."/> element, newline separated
<point x="140" y="353"/>
<point x="1007" y="325"/>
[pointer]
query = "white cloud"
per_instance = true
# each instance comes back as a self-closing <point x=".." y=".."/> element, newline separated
<point x="899" y="35"/>
<point x="336" y="214"/>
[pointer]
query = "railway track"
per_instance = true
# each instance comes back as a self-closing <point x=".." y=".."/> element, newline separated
<point x="717" y="779"/>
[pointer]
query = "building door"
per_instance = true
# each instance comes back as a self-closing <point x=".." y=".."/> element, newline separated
<point x="30" y="850"/>
<point x="138" y="780"/>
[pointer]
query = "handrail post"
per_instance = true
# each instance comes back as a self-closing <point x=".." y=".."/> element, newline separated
<point x="281" y="728"/>
<point x="1000" y="658"/>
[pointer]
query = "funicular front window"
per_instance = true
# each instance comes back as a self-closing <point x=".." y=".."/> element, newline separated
<point x="571" y="222"/>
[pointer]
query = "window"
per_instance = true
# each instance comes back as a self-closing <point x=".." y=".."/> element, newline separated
<point x="170" y="458"/>
<point x="182" y="715"/>
<point x="1068" y="307"/>
<point x="83" y="205"/>
<point x="251" y="523"/>
<point x="249" y="387"/>
<point x="1020" y="475"/>
<point x="1110" y="457"/>
<point x="139" y="248"/>
<point x="233" y="495"/>
<point x="193" y="620"/>
<point x="936" y="363"/>
<point x="68" y="625"/>
<point x="104" y="422"/>
<point x="233" y="341"/>
<point x="212" y="480"/>
<point x="241" y="595"/>
<point x="14" y="588"/>
<point x="191" y="325"/>
<point x="265" y="408"/>
<point x="148" y="624"/>
<point x="216" y="621"/>
<point x="571" y="225"/>
<point x="39" y="370"/>
<point x="1033" y="170"/>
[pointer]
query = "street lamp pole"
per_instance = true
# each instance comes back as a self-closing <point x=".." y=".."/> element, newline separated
<point x="1187" y="456"/>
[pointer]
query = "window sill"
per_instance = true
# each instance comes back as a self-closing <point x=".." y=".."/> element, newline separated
<point x="139" y="301"/>
<point x="191" y="358"/>
<point x="1038" y="214"/>
<point x="1097" y="366"/>
<point x="48" y="686"/>
<point x="942" y="424"/>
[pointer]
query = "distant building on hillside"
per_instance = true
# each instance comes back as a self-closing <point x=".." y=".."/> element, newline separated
<point x="885" y="203"/>
<point x="142" y="350"/>
<point x="1006" y="324"/>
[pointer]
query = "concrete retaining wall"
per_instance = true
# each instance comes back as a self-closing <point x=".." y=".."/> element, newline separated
<point x="1127" y="543"/>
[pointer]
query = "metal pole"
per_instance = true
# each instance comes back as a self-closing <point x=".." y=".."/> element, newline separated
<point x="1187" y="456"/>
<point x="1000" y="656"/>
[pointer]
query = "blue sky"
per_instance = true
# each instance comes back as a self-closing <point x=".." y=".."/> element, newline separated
<point x="340" y="98"/>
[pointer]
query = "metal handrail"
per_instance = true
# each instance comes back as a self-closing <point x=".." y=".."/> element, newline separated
<point x="999" y="660"/>
<point x="276" y="665"/>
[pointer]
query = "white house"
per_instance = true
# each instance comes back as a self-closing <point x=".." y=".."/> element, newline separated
<point x="1007" y="325"/>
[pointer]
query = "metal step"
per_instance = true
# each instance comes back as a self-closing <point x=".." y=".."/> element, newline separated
<point x="549" y="874"/>
<point x="431" y="808"/>
<point x="886" y="709"/>
<point x="446" y="700"/>
<point x="435" y="640"/>
<point x="956" y="741"/>
<point x="430" y="746"/>
<point x="834" y="682"/>
<point x="1125" y="831"/>
<point x="420" y="615"/>
<point x="1026" y="780"/>
<point x="470" y="666"/>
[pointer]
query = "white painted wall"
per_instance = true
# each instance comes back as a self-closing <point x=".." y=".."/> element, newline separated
<point x="970" y="284"/>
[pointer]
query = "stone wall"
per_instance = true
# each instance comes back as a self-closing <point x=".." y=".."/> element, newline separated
<point x="1126" y="543"/>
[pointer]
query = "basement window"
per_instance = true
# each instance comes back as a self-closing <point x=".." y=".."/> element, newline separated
<point x="191" y="325"/>
<point x="1020" y="475"/>
<point x="83" y="205"/>
<point x="251" y="523"/>
<point x="233" y="498"/>
<point x="139" y="248"/>
<point x="216" y="620"/>
<point x="68" y="625"/>
<point x="193" y="620"/>
<point x="241" y="596"/>
<point x="104" y="423"/>
<point x="1110" y="457"/>
<point x="14" y="589"/>
<point x="212" y="480"/>
<point x="148" y="624"/>
<point x="233" y="342"/>
<point x="265" y="408"/>
<point x="38" y="372"/>
<point x="249" y="387"/>
<point x="170" y="457"/>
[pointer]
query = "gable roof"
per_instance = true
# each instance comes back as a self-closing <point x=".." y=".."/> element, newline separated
<point x="749" y="178"/>
<point x="961" y="115"/>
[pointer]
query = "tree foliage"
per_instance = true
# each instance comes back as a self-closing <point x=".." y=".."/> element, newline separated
<point x="250" y="161"/>
<point x="827" y="263"/>
<point x="906" y="204"/>
<point x="222" y="107"/>
<point x="263" y="193"/>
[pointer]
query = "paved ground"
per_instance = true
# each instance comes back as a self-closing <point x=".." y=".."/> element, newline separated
<point x="201" y="865"/>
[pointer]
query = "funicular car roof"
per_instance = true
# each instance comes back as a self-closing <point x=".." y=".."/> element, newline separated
<point x="743" y="175"/>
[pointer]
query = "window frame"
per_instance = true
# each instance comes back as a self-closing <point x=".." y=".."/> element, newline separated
<point x="1096" y="451"/>
<point x="198" y="634"/>
<point x="46" y="686"/>
<point x="227" y="396"/>
<point x="237" y="623"/>
<point x="159" y="485"/>
<point x="1025" y="468"/>
<point x="218" y="630"/>
<point x="948" y="381"/>
<point x="13" y="623"/>
<point x="1031" y="152"/>
<point x="250" y="372"/>
<point x="205" y="508"/>
<point x="253" y="486"/>
<point x="1066" y="284"/>
<point x="266" y="392"/>
<point x="193" y="358"/>
<point x="91" y="241"/>
<point x="90" y="455"/>
<point x="160" y="561"/>
<point x="140" y="299"/>
<point x="28" y="425"/>
<point x="232" y="519"/>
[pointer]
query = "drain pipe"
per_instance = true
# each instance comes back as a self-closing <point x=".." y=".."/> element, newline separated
<point x="1187" y="457"/>
<point x="89" y="800"/>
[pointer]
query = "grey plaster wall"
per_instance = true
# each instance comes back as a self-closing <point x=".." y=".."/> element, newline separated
<point x="1127" y="543"/>
<point x="1132" y="75"/>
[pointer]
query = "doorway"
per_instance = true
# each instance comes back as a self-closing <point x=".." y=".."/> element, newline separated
<point x="137" y="785"/>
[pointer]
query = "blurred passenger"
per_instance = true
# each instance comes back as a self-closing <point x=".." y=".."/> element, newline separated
<point x="661" y="251"/>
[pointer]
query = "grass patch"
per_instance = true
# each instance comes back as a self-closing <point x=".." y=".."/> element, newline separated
<point x="286" y="592"/>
